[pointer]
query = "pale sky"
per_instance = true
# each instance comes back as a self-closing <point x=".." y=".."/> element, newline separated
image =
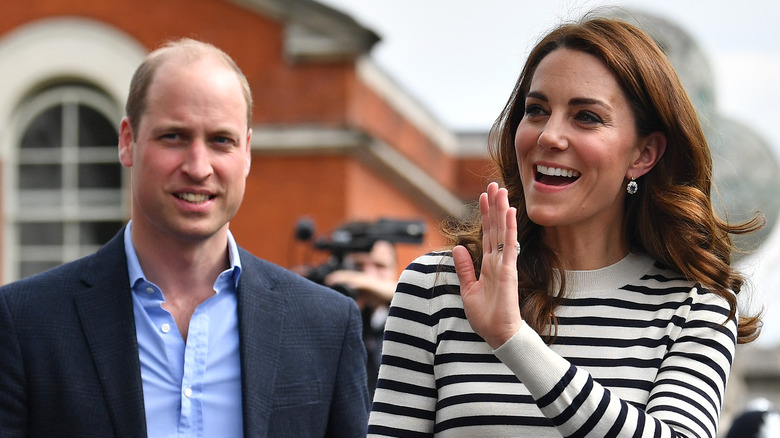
<point x="460" y="58"/>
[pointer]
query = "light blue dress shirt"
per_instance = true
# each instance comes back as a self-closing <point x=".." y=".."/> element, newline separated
<point x="191" y="389"/>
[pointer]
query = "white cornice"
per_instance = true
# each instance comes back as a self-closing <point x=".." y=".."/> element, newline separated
<point x="49" y="50"/>
<point x="407" y="106"/>
<point x="303" y="138"/>
<point x="314" y="31"/>
<point x="382" y="158"/>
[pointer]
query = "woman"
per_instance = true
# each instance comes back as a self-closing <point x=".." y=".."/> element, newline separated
<point x="594" y="294"/>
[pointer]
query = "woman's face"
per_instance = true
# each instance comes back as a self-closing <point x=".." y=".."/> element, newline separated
<point x="575" y="144"/>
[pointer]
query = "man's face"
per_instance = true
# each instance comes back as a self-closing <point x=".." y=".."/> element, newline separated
<point x="379" y="263"/>
<point x="190" y="157"/>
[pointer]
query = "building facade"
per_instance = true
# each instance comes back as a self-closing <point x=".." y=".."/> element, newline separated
<point x="334" y="138"/>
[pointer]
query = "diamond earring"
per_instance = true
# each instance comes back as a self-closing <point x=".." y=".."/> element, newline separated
<point x="632" y="186"/>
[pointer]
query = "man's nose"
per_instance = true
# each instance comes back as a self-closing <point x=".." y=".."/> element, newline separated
<point x="197" y="160"/>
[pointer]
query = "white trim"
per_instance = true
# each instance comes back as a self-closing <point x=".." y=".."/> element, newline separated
<point x="304" y="138"/>
<point x="402" y="102"/>
<point x="421" y="186"/>
<point x="385" y="160"/>
<point x="56" y="48"/>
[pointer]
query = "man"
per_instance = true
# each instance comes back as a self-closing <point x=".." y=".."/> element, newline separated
<point x="373" y="275"/>
<point x="171" y="329"/>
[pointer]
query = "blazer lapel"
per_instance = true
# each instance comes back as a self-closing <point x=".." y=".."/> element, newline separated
<point x="260" y="317"/>
<point x="106" y="311"/>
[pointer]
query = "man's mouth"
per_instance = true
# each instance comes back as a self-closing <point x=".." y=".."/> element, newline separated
<point x="555" y="176"/>
<point x="195" y="198"/>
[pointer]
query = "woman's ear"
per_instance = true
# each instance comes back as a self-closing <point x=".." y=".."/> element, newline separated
<point x="652" y="148"/>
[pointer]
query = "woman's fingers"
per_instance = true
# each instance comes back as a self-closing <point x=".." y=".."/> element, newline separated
<point x="501" y="207"/>
<point x="484" y="210"/>
<point x="493" y="205"/>
<point x="464" y="267"/>
<point x="495" y="226"/>
<point x="510" y="251"/>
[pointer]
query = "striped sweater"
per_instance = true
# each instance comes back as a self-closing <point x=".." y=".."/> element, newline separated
<point x="640" y="352"/>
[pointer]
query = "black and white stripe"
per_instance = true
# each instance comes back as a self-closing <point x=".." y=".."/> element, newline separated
<point x="640" y="351"/>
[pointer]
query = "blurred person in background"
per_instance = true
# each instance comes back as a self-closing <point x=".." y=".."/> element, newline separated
<point x="372" y="277"/>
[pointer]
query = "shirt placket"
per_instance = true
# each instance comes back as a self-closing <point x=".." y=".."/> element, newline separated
<point x="195" y="353"/>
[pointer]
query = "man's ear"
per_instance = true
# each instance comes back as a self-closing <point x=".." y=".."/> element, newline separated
<point x="248" y="152"/>
<point x="652" y="148"/>
<point x="126" y="143"/>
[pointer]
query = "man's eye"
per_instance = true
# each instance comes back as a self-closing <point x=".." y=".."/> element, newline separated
<point x="223" y="141"/>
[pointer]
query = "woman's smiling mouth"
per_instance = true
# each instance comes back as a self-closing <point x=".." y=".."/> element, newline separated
<point x="555" y="176"/>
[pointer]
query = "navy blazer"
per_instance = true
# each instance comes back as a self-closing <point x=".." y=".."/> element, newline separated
<point x="69" y="362"/>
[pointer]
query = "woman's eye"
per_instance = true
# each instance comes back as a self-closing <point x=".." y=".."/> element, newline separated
<point x="588" y="117"/>
<point x="534" y="110"/>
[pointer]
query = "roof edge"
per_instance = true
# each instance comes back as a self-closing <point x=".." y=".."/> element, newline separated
<point x="314" y="31"/>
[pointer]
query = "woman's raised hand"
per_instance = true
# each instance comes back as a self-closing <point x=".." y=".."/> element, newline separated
<point x="491" y="301"/>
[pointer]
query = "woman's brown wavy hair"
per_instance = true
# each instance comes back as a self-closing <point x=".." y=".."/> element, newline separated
<point x="671" y="218"/>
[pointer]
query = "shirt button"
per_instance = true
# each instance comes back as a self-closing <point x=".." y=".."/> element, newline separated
<point x="165" y="328"/>
<point x="150" y="290"/>
<point x="188" y="392"/>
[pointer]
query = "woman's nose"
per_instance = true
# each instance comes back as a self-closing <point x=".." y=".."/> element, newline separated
<point x="553" y="135"/>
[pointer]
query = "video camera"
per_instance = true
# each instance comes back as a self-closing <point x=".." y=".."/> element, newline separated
<point x="357" y="236"/>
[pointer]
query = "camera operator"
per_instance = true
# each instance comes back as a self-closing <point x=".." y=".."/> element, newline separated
<point x="362" y="265"/>
<point x="373" y="277"/>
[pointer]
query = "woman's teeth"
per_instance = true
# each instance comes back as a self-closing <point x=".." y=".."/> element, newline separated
<point x="557" y="171"/>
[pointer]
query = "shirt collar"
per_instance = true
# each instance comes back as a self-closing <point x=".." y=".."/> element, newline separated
<point x="136" y="274"/>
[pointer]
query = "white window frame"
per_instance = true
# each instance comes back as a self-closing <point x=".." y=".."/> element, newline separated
<point x="67" y="203"/>
<point x="32" y="58"/>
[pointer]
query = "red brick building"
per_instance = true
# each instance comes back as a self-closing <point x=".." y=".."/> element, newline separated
<point x="333" y="139"/>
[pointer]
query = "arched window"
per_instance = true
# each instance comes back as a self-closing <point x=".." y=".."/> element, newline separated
<point x="68" y="194"/>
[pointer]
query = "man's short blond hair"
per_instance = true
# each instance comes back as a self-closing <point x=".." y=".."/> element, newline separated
<point x="187" y="50"/>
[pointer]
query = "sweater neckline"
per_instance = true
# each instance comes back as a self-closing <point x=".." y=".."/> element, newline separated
<point x="626" y="270"/>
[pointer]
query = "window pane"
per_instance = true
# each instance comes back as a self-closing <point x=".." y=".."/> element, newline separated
<point x="40" y="203"/>
<point x="34" y="176"/>
<point x="41" y="233"/>
<point x="92" y="176"/>
<point x="45" y="131"/>
<point x="95" y="129"/>
<point x="113" y="198"/>
<point x="98" y="233"/>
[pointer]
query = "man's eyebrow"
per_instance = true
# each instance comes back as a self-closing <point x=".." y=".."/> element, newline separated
<point x="168" y="126"/>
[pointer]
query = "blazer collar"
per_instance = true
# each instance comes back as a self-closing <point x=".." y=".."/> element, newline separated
<point x="260" y="317"/>
<point x="105" y="309"/>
